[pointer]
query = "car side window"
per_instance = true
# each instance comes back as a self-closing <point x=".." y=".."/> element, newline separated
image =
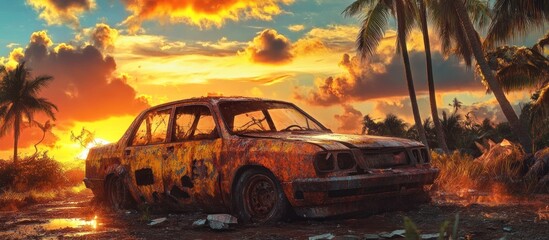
<point x="194" y="123"/>
<point x="153" y="128"/>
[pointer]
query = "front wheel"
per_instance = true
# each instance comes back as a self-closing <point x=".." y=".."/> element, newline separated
<point x="259" y="197"/>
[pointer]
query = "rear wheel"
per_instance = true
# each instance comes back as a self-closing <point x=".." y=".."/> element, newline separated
<point x="259" y="197"/>
<point x="117" y="194"/>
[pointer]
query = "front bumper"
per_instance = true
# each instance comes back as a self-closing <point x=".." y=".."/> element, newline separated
<point x="322" y="197"/>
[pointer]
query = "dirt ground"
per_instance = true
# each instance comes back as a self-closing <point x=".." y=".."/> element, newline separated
<point x="77" y="218"/>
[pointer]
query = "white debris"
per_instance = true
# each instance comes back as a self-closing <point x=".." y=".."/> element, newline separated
<point x="157" y="221"/>
<point x="430" y="236"/>
<point x="395" y="233"/>
<point x="322" y="236"/>
<point x="221" y="221"/>
<point x="199" y="223"/>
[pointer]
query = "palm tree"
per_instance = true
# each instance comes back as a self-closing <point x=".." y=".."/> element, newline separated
<point x="19" y="101"/>
<point x="373" y="27"/>
<point x="394" y="126"/>
<point x="456" y="104"/>
<point x="514" y="18"/>
<point x="461" y="31"/>
<point x="518" y="68"/>
<point x="430" y="80"/>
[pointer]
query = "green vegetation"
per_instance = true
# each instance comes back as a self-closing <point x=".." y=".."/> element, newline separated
<point x="461" y="130"/>
<point x="413" y="233"/>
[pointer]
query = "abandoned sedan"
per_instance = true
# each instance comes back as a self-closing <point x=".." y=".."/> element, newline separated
<point x="258" y="159"/>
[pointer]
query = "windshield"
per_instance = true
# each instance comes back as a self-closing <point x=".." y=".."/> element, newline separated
<point x="255" y="116"/>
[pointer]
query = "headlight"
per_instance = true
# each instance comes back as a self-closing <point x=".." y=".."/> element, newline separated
<point x="324" y="162"/>
<point x="333" y="161"/>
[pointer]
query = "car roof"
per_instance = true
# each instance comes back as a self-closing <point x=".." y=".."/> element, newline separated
<point x="212" y="100"/>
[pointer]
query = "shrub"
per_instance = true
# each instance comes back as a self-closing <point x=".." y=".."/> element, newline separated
<point x="37" y="172"/>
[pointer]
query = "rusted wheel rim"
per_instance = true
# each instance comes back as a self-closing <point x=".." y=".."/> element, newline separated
<point x="260" y="197"/>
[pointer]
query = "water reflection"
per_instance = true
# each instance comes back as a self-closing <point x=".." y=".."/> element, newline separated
<point x="61" y="223"/>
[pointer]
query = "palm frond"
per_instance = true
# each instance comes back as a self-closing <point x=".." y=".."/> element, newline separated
<point x="479" y="12"/>
<point x="7" y="120"/>
<point x="515" y="18"/>
<point x="518" y="68"/>
<point x="38" y="83"/>
<point x="373" y="29"/>
<point x="357" y="7"/>
<point x="542" y="42"/>
<point x="447" y="26"/>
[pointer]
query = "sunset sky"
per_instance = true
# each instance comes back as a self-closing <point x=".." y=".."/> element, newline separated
<point x="112" y="59"/>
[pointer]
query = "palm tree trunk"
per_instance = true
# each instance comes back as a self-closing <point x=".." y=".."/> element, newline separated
<point x="432" y="96"/>
<point x="409" y="79"/>
<point x="518" y="129"/>
<point x="16" y="132"/>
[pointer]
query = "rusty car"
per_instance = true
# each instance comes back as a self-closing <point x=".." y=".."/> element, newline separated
<point x="255" y="158"/>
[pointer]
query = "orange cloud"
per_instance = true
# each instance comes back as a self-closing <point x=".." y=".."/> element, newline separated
<point x="270" y="47"/>
<point x="16" y="56"/>
<point x="200" y="13"/>
<point x="104" y="37"/>
<point x="382" y="76"/>
<point x="85" y="85"/>
<point x="350" y="120"/>
<point x="57" y="12"/>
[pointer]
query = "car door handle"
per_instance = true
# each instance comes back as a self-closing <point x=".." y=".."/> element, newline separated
<point x="127" y="152"/>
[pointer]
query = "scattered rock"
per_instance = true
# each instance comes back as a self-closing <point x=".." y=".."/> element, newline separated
<point x="371" y="236"/>
<point x="430" y="236"/>
<point x="395" y="233"/>
<point x="225" y="218"/>
<point x="347" y="237"/>
<point x="221" y="221"/>
<point x="322" y="236"/>
<point x="200" y="223"/>
<point x="157" y="221"/>
<point x="216" y="225"/>
<point x="507" y="229"/>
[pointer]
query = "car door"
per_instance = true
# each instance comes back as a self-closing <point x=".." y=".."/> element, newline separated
<point x="191" y="175"/>
<point x="145" y="152"/>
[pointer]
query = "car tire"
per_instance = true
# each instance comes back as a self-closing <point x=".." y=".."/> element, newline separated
<point x="117" y="195"/>
<point x="258" y="197"/>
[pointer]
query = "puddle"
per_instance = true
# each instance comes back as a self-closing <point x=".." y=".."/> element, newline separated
<point x="61" y="208"/>
<point x="62" y="223"/>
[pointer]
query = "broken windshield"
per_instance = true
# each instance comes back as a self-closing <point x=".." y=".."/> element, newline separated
<point x="265" y="116"/>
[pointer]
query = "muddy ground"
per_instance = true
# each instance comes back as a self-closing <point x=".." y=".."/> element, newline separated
<point x="77" y="218"/>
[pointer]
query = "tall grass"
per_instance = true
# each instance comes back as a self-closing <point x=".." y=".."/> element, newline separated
<point x="37" y="178"/>
<point x="499" y="174"/>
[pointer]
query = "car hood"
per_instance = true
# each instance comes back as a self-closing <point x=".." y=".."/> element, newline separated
<point x="334" y="141"/>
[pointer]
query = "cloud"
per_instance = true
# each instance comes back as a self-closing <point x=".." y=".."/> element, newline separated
<point x="204" y="14"/>
<point x="16" y="56"/>
<point x="159" y="46"/>
<point x="349" y="120"/>
<point x="296" y="27"/>
<point x="85" y="85"/>
<point x="335" y="37"/>
<point x="382" y="76"/>
<point x="58" y="12"/>
<point x="269" y="47"/>
<point x="103" y="37"/>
